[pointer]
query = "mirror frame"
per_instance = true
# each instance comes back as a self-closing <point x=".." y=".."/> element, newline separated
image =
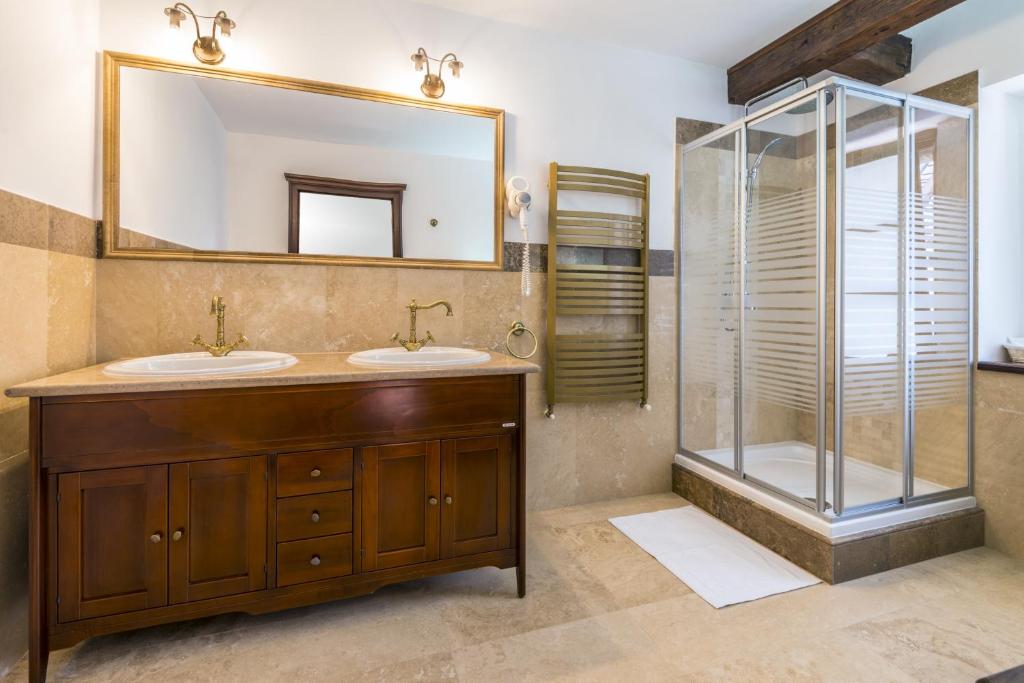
<point x="114" y="61"/>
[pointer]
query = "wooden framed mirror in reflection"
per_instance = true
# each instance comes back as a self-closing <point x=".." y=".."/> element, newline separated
<point x="205" y="163"/>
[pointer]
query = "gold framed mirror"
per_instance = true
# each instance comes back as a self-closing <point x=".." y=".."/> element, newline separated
<point x="196" y="161"/>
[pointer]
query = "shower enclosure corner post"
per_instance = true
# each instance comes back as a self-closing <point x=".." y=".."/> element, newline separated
<point x="680" y="321"/>
<point x="972" y="332"/>
<point x="822" y="292"/>
<point x="839" y="305"/>
<point x="741" y="292"/>
<point x="907" y="298"/>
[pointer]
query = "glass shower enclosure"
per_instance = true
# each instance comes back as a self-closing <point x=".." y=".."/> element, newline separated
<point x="826" y="299"/>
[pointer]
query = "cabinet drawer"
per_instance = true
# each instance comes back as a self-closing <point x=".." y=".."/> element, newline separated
<point x="314" y="559"/>
<point x="321" y="514"/>
<point x="299" y="474"/>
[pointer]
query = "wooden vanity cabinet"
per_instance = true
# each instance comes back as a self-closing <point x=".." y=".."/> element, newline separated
<point x="476" y="492"/>
<point x="164" y="506"/>
<point x="132" y="538"/>
<point x="217" y="528"/>
<point x="435" y="499"/>
<point x="111" y="541"/>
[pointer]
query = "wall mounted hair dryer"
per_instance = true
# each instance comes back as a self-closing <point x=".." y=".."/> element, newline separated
<point x="517" y="192"/>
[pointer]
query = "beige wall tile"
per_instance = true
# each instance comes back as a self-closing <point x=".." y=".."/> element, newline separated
<point x="70" y="233"/>
<point x="13" y="558"/>
<point x="359" y="301"/>
<point x="23" y="316"/>
<point x="999" y="458"/>
<point x="71" y="314"/>
<point x="14" y="429"/>
<point x="23" y="221"/>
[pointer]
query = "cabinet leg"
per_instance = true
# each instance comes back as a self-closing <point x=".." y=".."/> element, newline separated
<point x="521" y="579"/>
<point x="38" y="657"/>
<point x="38" y="528"/>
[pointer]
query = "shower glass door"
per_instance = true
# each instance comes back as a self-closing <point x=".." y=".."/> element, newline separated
<point x="872" y="243"/>
<point x="780" y="329"/>
<point x="940" y="282"/>
<point x="709" y="299"/>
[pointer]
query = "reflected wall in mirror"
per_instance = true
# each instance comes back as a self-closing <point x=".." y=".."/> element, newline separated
<point x="204" y="163"/>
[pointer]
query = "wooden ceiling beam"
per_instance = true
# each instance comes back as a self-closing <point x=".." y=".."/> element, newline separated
<point x="881" y="63"/>
<point x="827" y="39"/>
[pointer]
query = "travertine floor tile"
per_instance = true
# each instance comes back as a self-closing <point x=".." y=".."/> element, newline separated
<point x="605" y="648"/>
<point x="597" y="608"/>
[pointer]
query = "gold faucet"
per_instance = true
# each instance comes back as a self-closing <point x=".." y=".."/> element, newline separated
<point x="412" y="343"/>
<point x="220" y="347"/>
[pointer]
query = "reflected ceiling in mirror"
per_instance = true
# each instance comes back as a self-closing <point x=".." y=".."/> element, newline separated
<point x="204" y="163"/>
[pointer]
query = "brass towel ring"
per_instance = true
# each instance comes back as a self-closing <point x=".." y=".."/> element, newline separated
<point x="517" y="329"/>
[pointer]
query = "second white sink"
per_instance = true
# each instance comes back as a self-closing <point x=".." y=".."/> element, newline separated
<point x="397" y="357"/>
<point x="201" y="363"/>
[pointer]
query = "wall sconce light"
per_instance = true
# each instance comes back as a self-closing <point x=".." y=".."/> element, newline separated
<point x="207" y="49"/>
<point x="433" y="85"/>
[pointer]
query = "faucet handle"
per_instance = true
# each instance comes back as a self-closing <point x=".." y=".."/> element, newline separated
<point x="428" y="338"/>
<point x="199" y="341"/>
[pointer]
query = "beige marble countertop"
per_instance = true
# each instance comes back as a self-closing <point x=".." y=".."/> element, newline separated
<point x="312" y="368"/>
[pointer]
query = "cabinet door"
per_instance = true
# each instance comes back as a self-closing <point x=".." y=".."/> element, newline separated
<point x="401" y="510"/>
<point x="111" y="541"/>
<point x="218" y="528"/>
<point x="476" y="490"/>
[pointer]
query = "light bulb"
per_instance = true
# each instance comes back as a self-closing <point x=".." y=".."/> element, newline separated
<point x="174" y="17"/>
<point x="456" y="67"/>
<point x="225" y="25"/>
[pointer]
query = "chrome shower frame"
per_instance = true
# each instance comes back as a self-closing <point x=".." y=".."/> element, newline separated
<point x="834" y="90"/>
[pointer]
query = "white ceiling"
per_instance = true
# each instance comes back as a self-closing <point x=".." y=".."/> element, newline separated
<point x="719" y="32"/>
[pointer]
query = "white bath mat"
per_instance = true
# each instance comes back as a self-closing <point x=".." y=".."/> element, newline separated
<point x="719" y="563"/>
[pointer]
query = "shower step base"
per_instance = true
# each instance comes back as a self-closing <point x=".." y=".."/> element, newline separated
<point x="842" y="559"/>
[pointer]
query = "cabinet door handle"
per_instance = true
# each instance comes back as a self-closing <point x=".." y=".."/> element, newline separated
<point x="432" y="500"/>
<point x="315" y="472"/>
<point x="156" y="538"/>
<point x="315" y="516"/>
<point x="176" y="536"/>
<point x="448" y="500"/>
<point x="315" y="560"/>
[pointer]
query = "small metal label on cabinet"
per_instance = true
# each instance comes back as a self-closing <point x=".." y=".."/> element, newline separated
<point x="508" y="424"/>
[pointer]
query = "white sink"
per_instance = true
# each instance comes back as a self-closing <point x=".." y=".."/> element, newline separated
<point x="200" y="363"/>
<point x="430" y="356"/>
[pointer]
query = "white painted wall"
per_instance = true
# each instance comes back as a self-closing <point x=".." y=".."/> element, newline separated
<point x="457" y="192"/>
<point x="48" y="101"/>
<point x="977" y="34"/>
<point x="986" y="35"/>
<point x="1001" y="196"/>
<point x="172" y="160"/>
<point x="567" y="100"/>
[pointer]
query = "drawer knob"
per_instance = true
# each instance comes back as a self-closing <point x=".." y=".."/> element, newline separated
<point x="448" y="500"/>
<point x="432" y="500"/>
<point x="315" y="472"/>
<point x="176" y="536"/>
<point x="315" y="560"/>
<point x="156" y="538"/>
<point x="315" y="516"/>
